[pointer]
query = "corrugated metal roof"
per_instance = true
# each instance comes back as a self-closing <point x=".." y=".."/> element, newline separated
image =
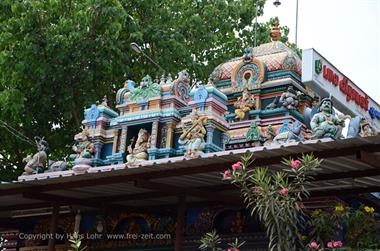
<point x="118" y="180"/>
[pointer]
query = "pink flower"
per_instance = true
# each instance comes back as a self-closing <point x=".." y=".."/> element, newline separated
<point x="237" y="166"/>
<point x="257" y="189"/>
<point x="232" y="249"/>
<point x="295" y="164"/>
<point x="227" y="175"/>
<point x="338" y="244"/>
<point x="330" y="244"/>
<point x="284" y="191"/>
<point x="313" y="245"/>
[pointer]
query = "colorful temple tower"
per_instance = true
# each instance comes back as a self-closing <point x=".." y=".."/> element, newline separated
<point x="264" y="91"/>
<point x="249" y="101"/>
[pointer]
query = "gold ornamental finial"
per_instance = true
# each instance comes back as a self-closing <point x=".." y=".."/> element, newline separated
<point x="275" y="34"/>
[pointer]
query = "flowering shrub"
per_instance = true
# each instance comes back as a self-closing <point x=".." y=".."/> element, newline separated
<point x="334" y="244"/>
<point x="313" y="246"/>
<point x="211" y="241"/>
<point x="324" y="224"/>
<point x="359" y="227"/>
<point x="275" y="198"/>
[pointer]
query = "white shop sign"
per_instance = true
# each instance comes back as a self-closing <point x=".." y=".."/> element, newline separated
<point x="325" y="80"/>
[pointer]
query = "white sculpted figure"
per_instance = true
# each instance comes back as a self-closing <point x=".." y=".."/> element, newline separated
<point x="193" y="137"/>
<point x="138" y="150"/>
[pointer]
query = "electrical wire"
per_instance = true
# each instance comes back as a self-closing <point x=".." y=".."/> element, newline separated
<point x="16" y="133"/>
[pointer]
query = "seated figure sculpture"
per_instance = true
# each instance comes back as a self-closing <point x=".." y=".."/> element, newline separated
<point x="290" y="98"/>
<point x="244" y="104"/>
<point x="365" y="129"/>
<point x="138" y="150"/>
<point x="325" y="123"/>
<point x="84" y="153"/>
<point x="84" y="149"/>
<point x="193" y="137"/>
<point x="36" y="163"/>
<point x="269" y="135"/>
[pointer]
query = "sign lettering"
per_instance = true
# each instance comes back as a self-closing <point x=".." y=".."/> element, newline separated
<point x="351" y="93"/>
<point x="375" y="114"/>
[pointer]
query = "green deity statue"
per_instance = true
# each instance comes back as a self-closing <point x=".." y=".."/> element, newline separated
<point x="325" y="124"/>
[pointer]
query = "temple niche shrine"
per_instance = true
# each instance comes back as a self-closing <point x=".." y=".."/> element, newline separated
<point x="152" y="165"/>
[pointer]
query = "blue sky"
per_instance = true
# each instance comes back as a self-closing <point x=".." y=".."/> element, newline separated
<point x="345" y="32"/>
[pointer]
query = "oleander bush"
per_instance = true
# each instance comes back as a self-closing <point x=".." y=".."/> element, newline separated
<point x="275" y="197"/>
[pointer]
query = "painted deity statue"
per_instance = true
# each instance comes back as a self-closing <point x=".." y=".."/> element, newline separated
<point x="38" y="161"/>
<point x="290" y="98"/>
<point x="269" y="135"/>
<point x="366" y="130"/>
<point x="183" y="75"/>
<point x="145" y="81"/>
<point x="291" y="134"/>
<point x="244" y="104"/>
<point x="193" y="137"/>
<point x="147" y="89"/>
<point x="84" y="149"/>
<point x="325" y="124"/>
<point x="253" y="133"/>
<point x="138" y="150"/>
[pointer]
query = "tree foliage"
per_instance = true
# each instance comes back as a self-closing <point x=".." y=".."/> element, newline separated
<point x="59" y="56"/>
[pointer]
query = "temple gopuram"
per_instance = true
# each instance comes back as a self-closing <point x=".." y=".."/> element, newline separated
<point x="146" y="175"/>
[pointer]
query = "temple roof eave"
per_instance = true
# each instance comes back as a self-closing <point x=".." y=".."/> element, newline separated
<point x="328" y="179"/>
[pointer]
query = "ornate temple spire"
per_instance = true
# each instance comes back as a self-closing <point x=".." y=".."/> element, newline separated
<point x="275" y="34"/>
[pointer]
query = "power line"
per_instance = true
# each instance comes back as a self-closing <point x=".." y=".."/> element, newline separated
<point x="16" y="133"/>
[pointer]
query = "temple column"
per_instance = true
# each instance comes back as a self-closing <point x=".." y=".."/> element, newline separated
<point x="180" y="226"/>
<point x="53" y="227"/>
<point x="170" y="134"/>
<point x="210" y="134"/>
<point x="115" y="140"/>
<point x="153" y="139"/>
<point x="123" y="139"/>
<point x="225" y="137"/>
<point x="98" y="149"/>
<point x="258" y="102"/>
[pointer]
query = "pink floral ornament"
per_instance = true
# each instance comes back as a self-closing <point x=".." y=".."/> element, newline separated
<point x="313" y="245"/>
<point x="330" y="244"/>
<point x="237" y="166"/>
<point x="227" y="175"/>
<point x="295" y="164"/>
<point x="284" y="191"/>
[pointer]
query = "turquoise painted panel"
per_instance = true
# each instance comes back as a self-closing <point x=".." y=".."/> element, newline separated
<point x="106" y="150"/>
